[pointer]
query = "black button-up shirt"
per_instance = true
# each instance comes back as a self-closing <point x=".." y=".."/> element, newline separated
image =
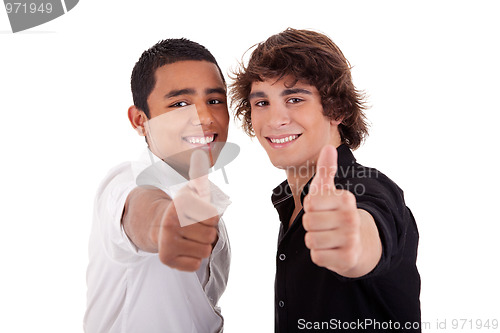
<point x="309" y="297"/>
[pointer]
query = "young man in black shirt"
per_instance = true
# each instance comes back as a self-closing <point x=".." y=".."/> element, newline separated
<point x="348" y="244"/>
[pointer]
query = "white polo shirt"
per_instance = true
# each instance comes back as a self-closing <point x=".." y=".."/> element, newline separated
<point x="131" y="291"/>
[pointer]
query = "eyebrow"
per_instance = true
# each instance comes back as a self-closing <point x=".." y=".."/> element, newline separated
<point x="286" y="92"/>
<point x="191" y="91"/>
<point x="209" y="91"/>
<point x="257" y="94"/>
<point x="179" y="92"/>
<point x="292" y="91"/>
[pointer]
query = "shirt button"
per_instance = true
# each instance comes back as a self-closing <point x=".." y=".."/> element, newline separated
<point x="281" y="304"/>
<point x="282" y="256"/>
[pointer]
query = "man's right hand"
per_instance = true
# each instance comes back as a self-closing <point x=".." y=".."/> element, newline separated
<point x="155" y="223"/>
<point x="189" y="228"/>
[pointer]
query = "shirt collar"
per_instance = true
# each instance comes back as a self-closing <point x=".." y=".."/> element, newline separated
<point x="345" y="156"/>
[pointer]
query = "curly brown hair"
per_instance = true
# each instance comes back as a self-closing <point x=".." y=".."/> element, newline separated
<point x="309" y="57"/>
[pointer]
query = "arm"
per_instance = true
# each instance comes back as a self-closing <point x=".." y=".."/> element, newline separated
<point x="142" y="216"/>
<point x="151" y="221"/>
<point x="371" y="246"/>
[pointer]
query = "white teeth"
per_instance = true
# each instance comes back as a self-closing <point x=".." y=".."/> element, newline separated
<point x="285" y="139"/>
<point x="202" y="140"/>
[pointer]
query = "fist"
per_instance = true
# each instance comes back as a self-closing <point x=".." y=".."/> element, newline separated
<point x="331" y="219"/>
<point x="188" y="229"/>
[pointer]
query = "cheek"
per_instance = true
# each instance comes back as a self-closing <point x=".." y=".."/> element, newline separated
<point x="255" y="121"/>
<point x="321" y="127"/>
<point x="223" y="121"/>
<point x="222" y="114"/>
<point x="223" y="118"/>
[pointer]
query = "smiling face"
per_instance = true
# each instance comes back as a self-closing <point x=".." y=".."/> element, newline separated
<point x="289" y="123"/>
<point x="188" y="110"/>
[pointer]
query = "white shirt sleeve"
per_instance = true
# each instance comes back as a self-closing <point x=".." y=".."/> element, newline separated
<point x="108" y="210"/>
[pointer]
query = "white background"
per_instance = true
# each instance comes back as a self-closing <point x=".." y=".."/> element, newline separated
<point x="431" y="72"/>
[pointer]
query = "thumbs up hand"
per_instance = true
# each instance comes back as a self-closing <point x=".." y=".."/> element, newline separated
<point x="189" y="226"/>
<point x="193" y="200"/>
<point x="337" y="233"/>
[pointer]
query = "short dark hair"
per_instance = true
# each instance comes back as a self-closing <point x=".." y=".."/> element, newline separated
<point x="311" y="57"/>
<point x="164" y="52"/>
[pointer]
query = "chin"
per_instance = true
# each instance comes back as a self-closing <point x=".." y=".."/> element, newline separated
<point x="215" y="151"/>
<point x="280" y="163"/>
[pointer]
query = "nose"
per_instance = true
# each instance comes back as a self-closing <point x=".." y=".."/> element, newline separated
<point x="205" y="117"/>
<point x="278" y="116"/>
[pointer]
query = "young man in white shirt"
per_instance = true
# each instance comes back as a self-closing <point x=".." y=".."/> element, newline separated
<point x="159" y="253"/>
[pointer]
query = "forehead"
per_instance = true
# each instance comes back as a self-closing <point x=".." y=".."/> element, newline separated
<point x="278" y="85"/>
<point x="188" y="74"/>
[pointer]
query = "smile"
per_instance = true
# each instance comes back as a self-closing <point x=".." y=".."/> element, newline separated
<point x="285" y="139"/>
<point x="200" y="140"/>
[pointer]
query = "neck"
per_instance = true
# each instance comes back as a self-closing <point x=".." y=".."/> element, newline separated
<point x="297" y="179"/>
<point x="298" y="176"/>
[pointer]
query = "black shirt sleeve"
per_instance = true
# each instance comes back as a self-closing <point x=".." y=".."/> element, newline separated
<point x="384" y="201"/>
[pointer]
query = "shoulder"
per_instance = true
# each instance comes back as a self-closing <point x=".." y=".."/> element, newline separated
<point x="120" y="171"/>
<point x="118" y="182"/>
<point x="123" y="172"/>
<point x="362" y="180"/>
<point x="367" y="181"/>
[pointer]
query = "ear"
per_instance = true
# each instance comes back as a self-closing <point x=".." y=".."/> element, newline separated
<point x="336" y="122"/>
<point x="335" y="133"/>
<point x="137" y="119"/>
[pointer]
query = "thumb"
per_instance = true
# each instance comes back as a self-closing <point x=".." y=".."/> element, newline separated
<point x="198" y="174"/>
<point x="326" y="167"/>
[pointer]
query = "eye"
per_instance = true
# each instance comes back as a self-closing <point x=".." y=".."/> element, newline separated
<point x="294" y="100"/>
<point x="179" y="105"/>
<point x="215" y="101"/>
<point x="261" y="103"/>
